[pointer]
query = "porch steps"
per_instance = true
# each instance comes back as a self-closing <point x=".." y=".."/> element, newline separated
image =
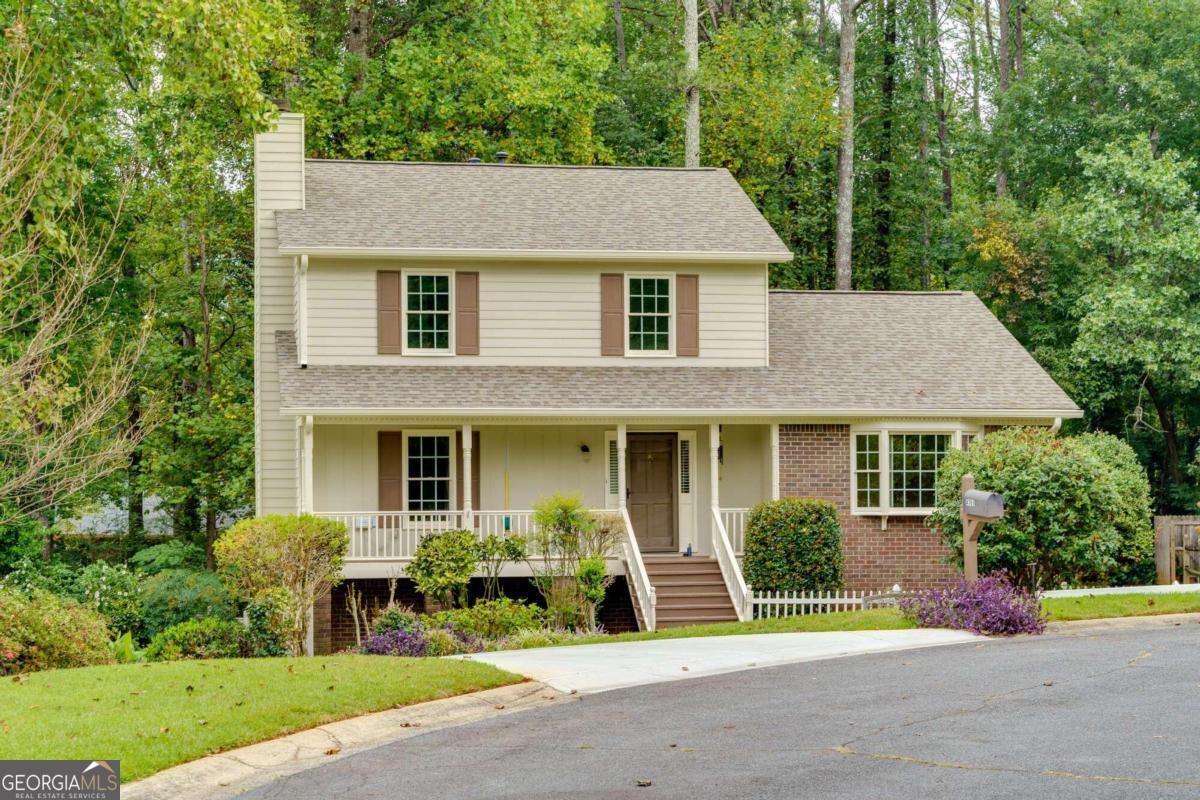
<point x="690" y="591"/>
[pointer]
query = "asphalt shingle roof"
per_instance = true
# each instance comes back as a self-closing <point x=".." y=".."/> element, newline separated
<point x="850" y="352"/>
<point x="394" y="206"/>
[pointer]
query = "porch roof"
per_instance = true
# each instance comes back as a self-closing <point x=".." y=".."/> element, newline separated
<point x="832" y="354"/>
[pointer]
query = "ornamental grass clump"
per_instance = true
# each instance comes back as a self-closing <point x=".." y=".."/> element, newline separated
<point x="991" y="605"/>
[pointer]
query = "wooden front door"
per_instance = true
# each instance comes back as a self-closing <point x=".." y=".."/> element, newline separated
<point x="651" y="489"/>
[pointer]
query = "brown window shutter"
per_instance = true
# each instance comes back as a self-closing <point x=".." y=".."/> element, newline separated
<point x="391" y="471"/>
<point x="466" y="313"/>
<point x="687" y="315"/>
<point x="612" y="315"/>
<point x="458" y="469"/>
<point x="391" y="316"/>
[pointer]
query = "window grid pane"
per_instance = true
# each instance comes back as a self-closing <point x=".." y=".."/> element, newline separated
<point x="427" y="317"/>
<point x="429" y="473"/>
<point x="866" y="470"/>
<point x="650" y="314"/>
<point x="915" y="461"/>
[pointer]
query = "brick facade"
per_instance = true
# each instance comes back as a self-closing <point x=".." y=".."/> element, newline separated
<point x="814" y="461"/>
<point x="333" y="627"/>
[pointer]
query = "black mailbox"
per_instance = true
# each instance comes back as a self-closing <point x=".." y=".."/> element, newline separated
<point x="983" y="505"/>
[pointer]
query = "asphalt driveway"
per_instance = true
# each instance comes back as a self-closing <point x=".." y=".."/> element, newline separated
<point x="1101" y="714"/>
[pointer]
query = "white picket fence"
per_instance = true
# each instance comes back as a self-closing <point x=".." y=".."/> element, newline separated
<point x="769" y="605"/>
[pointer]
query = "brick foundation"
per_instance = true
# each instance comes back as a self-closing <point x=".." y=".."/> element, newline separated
<point x="814" y="461"/>
<point x="333" y="626"/>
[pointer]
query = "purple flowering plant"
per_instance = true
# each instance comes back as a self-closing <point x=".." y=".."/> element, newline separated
<point x="397" y="642"/>
<point x="991" y="605"/>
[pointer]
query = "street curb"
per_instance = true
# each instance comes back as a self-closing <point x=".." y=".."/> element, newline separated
<point x="1144" y="622"/>
<point x="236" y="771"/>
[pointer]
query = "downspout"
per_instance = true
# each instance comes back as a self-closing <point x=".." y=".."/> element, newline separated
<point x="1057" y="424"/>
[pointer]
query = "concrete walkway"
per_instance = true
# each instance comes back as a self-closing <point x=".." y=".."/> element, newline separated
<point x="236" y="771"/>
<point x="602" y="667"/>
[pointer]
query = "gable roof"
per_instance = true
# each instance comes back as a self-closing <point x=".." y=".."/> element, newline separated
<point x="514" y="210"/>
<point x="832" y="353"/>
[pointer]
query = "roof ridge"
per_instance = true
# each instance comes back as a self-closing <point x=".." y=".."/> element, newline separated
<point x="618" y="167"/>
<point x="882" y="292"/>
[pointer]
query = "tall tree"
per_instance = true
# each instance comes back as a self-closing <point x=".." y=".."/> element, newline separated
<point x="848" y="41"/>
<point x="691" y="47"/>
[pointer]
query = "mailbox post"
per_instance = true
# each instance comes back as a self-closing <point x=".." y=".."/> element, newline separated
<point x="977" y="508"/>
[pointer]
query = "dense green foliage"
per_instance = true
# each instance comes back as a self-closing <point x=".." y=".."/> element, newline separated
<point x="177" y="595"/>
<point x="199" y="638"/>
<point x="793" y="545"/>
<point x="1076" y="511"/>
<point x="492" y="619"/>
<point x="443" y="564"/>
<point x="43" y="631"/>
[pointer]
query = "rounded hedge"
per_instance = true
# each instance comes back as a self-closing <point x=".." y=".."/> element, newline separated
<point x="200" y="638"/>
<point x="1077" y="508"/>
<point x="44" y="631"/>
<point x="793" y="545"/>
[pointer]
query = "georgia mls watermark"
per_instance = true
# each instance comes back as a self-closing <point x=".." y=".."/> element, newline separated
<point x="60" y="780"/>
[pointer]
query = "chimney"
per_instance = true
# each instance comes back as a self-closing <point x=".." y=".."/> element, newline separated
<point x="501" y="156"/>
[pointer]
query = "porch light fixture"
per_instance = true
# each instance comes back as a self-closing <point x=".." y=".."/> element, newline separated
<point x="586" y="451"/>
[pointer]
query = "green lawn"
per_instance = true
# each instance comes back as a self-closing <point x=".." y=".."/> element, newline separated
<point x="1119" y="605"/>
<point x="152" y="716"/>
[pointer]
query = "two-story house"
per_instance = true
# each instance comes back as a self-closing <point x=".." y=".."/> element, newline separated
<point x="441" y="345"/>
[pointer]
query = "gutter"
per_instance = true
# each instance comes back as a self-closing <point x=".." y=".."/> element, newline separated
<point x="699" y="413"/>
<point x="490" y="254"/>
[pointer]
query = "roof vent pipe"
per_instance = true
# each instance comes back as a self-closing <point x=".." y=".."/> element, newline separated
<point x="474" y="160"/>
<point x="501" y="156"/>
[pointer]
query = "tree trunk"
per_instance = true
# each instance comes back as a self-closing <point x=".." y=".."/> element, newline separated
<point x="135" y="525"/>
<point x="1005" y="65"/>
<point x="883" y="171"/>
<point x="822" y="17"/>
<point x="1019" y="40"/>
<point x="939" y="99"/>
<point x="210" y="538"/>
<point x="691" y="46"/>
<point x="619" y="28"/>
<point x="358" y="32"/>
<point x="845" y="189"/>
<point x="973" y="57"/>
<point x="1170" y="432"/>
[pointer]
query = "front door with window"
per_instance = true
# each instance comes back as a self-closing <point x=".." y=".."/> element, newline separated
<point x="651" y="489"/>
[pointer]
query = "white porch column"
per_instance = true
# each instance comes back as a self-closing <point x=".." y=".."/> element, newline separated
<point x="714" y="463"/>
<point x="306" y="465"/>
<point x="774" y="460"/>
<point x="465" y="478"/>
<point x="621" y="466"/>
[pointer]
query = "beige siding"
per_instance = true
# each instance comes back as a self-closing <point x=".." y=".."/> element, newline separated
<point x="279" y="183"/>
<point x="745" y="472"/>
<point x="544" y="314"/>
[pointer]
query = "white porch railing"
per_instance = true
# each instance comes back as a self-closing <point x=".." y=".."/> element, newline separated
<point x="635" y="571"/>
<point x="391" y="535"/>
<point x="739" y="593"/>
<point x="734" y="520"/>
<point x="503" y="523"/>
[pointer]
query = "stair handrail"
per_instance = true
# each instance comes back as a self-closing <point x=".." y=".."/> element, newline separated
<point x="636" y="569"/>
<point x="739" y="592"/>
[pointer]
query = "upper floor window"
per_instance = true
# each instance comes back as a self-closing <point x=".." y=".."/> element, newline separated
<point x="895" y="471"/>
<point x="649" y="314"/>
<point x="427" y="311"/>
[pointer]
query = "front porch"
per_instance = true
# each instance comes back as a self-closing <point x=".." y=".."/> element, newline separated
<point x="393" y="482"/>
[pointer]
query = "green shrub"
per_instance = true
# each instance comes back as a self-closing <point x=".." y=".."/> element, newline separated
<point x="266" y="630"/>
<point x="396" y="618"/>
<point x="199" y="638"/>
<point x="301" y="555"/>
<point x="173" y="554"/>
<point x="443" y="564"/>
<point x="593" y="580"/>
<point x="493" y="552"/>
<point x="491" y="619"/>
<point x="444" y="642"/>
<point x="111" y="589"/>
<point x="177" y="595"/>
<point x="31" y="574"/>
<point x="1076" y="508"/>
<point x="44" y="631"/>
<point x="793" y="545"/>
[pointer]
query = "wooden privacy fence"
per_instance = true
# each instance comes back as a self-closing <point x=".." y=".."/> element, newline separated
<point x="769" y="605"/>
<point x="1177" y="549"/>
